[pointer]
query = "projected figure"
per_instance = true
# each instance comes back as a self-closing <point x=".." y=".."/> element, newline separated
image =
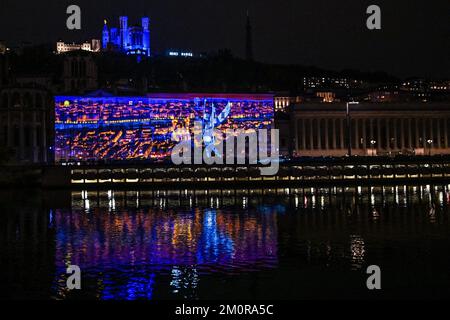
<point x="210" y="121"/>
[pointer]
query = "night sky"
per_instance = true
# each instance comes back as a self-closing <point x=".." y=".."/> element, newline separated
<point x="414" y="40"/>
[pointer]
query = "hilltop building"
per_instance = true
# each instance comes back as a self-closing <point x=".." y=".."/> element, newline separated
<point x="132" y="40"/>
<point x="90" y="46"/>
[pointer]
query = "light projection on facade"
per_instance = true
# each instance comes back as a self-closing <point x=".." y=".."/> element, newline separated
<point x="140" y="128"/>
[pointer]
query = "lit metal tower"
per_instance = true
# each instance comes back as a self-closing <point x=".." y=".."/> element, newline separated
<point x="248" y="40"/>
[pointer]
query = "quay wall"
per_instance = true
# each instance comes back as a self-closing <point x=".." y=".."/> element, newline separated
<point x="309" y="172"/>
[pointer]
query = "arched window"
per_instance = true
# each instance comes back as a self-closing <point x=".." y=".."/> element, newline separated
<point x="16" y="135"/>
<point x="27" y="135"/>
<point x="5" y="100"/>
<point x="28" y="100"/>
<point x="16" y="99"/>
<point x="73" y="68"/>
<point x="38" y="100"/>
<point x="5" y="135"/>
<point x="39" y="142"/>
<point x="83" y="68"/>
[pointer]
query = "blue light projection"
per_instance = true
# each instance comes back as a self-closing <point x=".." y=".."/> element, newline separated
<point x="140" y="128"/>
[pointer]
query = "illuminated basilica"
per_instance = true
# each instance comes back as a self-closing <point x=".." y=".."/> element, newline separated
<point x="133" y="40"/>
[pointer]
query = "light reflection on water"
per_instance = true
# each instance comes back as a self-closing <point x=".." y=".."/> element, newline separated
<point x="142" y="242"/>
<point x="285" y="243"/>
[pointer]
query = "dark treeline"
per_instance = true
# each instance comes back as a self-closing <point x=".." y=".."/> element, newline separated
<point x="219" y="72"/>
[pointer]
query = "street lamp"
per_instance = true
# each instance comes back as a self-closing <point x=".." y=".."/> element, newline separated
<point x="430" y="142"/>
<point x="372" y="143"/>
<point x="349" y="131"/>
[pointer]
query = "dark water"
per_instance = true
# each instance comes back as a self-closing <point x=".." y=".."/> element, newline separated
<point x="271" y="244"/>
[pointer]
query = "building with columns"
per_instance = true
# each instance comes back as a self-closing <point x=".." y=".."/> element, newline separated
<point x="27" y="124"/>
<point x="320" y="129"/>
<point x="282" y="102"/>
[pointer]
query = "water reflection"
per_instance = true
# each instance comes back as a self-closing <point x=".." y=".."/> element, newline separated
<point x="152" y="240"/>
<point x="357" y="251"/>
<point x="282" y="243"/>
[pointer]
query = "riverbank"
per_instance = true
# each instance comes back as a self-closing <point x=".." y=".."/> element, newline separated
<point x="300" y="172"/>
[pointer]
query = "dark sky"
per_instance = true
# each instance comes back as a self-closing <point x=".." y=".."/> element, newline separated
<point x="414" y="40"/>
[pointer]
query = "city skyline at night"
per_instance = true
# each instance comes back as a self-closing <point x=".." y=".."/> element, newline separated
<point x="220" y="159"/>
<point x="309" y="33"/>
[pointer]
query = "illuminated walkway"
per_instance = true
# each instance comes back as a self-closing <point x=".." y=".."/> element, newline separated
<point x="323" y="171"/>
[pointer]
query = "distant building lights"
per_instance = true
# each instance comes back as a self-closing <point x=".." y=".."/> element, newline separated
<point x="180" y="54"/>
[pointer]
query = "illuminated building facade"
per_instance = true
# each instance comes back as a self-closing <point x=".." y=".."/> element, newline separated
<point x="315" y="82"/>
<point x="282" y="102"/>
<point x="134" y="40"/>
<point x="375" y="129"/>
<point x="182" y="54"/>
<point x="92" y="46"/>
<point x="140" y="128"/>
<point x="326" y="96"/>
